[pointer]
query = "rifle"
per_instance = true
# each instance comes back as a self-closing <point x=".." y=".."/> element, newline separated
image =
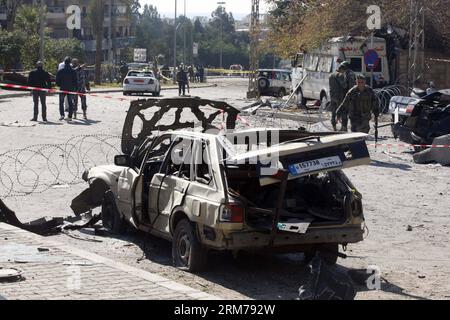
<point x="376" y="131"/>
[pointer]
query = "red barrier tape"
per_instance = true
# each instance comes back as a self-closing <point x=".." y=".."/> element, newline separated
<point x="399" y="145"/>
<point x="15" y="86"/>
<point x="389" y="146"/>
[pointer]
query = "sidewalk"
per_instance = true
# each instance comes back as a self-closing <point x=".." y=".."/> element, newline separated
<point x="54" y="271"/>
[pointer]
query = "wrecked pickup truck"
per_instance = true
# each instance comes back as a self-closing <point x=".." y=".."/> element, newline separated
<point x="258" y="189"/>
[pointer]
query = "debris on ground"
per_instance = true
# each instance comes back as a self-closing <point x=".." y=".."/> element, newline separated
<point x="439" y="154"/>
<point x="44" y="226"/>
<point x="10" y="275"/>
<point x="326" y="282"/>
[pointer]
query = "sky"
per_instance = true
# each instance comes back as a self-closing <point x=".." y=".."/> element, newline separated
<point x="239" y="8"/>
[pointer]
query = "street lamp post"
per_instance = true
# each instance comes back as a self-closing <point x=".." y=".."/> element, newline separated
<point x="175" y="44"/>
<point x="42" y="18"/>
<point x="184" y="34"/>
<point x="221" y="34"/>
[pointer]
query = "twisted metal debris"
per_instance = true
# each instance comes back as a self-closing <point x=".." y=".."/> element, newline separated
<point x="37" y="168"/>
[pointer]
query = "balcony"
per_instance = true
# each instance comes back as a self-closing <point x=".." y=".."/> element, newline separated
<point x="56" y="13"/>
<point x="2" y="13"/>
<point x="124" y="42"/>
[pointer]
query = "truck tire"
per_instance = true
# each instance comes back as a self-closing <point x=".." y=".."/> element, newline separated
<point x="111" y="218"/>
<point x="187" y="252"/>
<point x="263" y="84"/>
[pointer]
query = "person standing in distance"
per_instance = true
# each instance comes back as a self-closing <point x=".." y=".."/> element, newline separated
<point x="337" y="93"/>
<point x="359" y="103"/>
<point x="349" y="83"/>
<point x="66" y="79"/>
<point x="39" y="78"/>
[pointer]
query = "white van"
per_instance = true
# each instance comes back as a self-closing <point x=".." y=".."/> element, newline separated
<point x="317" y="65"/>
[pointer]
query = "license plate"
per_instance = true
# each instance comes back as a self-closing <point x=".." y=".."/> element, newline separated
<point x="138" y="81"/>
<point x="315" y="165"/>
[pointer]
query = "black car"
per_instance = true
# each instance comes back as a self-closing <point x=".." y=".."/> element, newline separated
<point x="429" y="119"/>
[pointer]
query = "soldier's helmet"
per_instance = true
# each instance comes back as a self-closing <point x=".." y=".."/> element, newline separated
<point x="361" y="77"/>
<point x="344" y="65"/>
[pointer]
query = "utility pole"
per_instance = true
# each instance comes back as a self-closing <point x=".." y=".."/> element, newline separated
<point x="184" y="34"/>
<point x="221" y="34"/>
<point x="175" y="44"/>
<point x="110" y="53"/>
<point x="416" y="57"/>
<point x="254" y="40"/>
<point x="42" y="18"/>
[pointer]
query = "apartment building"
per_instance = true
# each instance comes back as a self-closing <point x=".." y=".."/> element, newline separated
<point x="118" y="30"/>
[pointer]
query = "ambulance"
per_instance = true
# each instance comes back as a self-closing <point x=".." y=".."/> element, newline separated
<point x="316" y="66"/>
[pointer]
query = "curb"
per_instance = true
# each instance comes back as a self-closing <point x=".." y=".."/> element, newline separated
<point x="145" y="275"/>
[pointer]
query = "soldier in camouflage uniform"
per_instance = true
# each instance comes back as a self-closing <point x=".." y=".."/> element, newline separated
<point x="349" y="82"/>
<point x="359" y="103"/>
<point x="82" y="86"/>
<point x="337" y="93"/>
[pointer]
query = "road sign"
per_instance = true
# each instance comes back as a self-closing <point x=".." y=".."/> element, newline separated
<point x="140" y="55"/>
<point x="371" y="59"/>
<point x="195" y="49"/>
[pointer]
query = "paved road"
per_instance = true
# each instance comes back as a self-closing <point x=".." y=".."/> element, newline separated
<point x="396" y="191"/>
<point x="54" y="271"/>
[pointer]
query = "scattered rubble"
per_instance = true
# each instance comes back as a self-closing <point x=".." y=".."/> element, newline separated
<point x="440" y="155"/>
<point x="325" y="282"/>
<point x="46" y="227"/>
<point x="10" y="275"/>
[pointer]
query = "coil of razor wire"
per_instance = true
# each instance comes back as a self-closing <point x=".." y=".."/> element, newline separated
<point x="37" y="168"/>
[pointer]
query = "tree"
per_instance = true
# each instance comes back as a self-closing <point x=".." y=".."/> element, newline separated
<point x="10" y="46"/>
<point x="297" y="25"/>
<point x="152" y="33"/>
<point x="25" y="42"/>
<point x="134" y="6"/>
<point x="11" y="11"/>
<point x="96" y="16"/>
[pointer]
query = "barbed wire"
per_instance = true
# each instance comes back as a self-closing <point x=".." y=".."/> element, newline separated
<point x="316" y="119"/>
<point x="385" y="94"/>
<point x="35" y="169"/>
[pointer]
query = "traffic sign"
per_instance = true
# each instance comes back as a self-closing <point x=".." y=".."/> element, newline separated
<point x="140" y="55"/>
<point x="371" y="59"/>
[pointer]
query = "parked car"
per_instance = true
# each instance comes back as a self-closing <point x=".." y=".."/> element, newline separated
<point x="236" y="70"/>
<point x="141" y="82"/>
<point x="275" y="82"/>
<point x="258" y="189"/>
<point x="420" y="121"/>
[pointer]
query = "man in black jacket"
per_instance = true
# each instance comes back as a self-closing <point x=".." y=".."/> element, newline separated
<point x="66" y="79"/>
<point x="182" y="80"/>
<point x="39" y="78"/>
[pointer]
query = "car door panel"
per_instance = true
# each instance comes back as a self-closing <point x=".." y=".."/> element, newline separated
<point x="125" y="192"/>
<point x="165" y="194"/>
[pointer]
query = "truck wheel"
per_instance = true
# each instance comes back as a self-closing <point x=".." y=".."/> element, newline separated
<point x="263" y="84"/>
<point x="328" y="252"/>
<point x="187" y="252"/>
<point x="324" y="104"/>
<point x="111" y="218"/>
